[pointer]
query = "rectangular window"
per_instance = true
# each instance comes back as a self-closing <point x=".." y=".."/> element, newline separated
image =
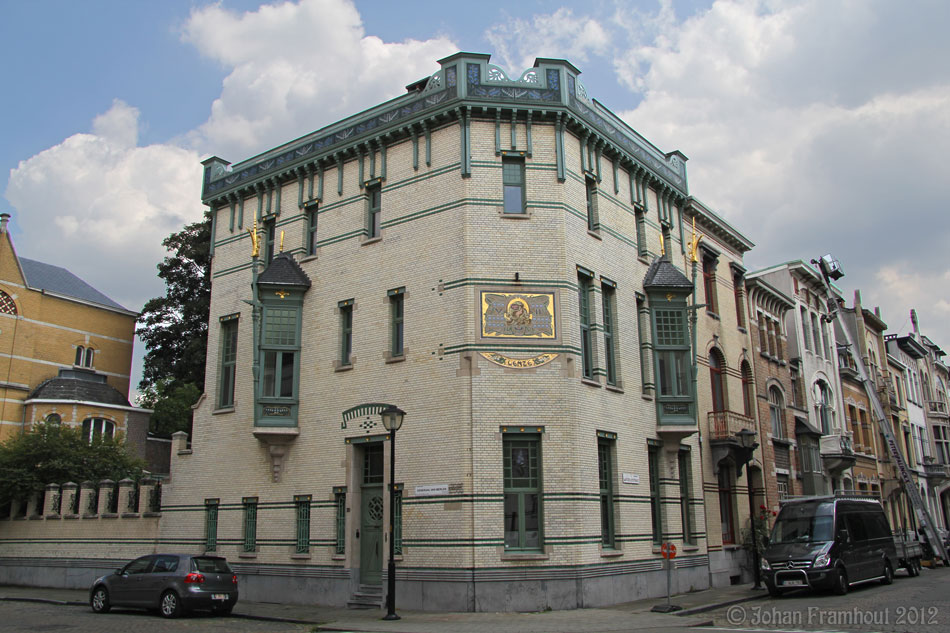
<point x="396" y="310"/>
<point x="302" y="514"/>
<point x="339" y="498"/>
<point x="346" y="331"/>
<point x="311" y="230"/>
<point x="642" y="249"/>
<point x="738" y="288"/>
<point x="609" y="301"/>
<point x="250" y="524"/>
<point x="270" y="235"/>
<point x="816" y="336"/>
<point x="585" y="288"/>
<point x="397" y="520"/>
<point x="522" y="491"/>
<point x="805" y="323"/>
<point x="673" y="365"/>
<point x="709" y="283"/>
<point x="279" y="347"/>
<point x="726" y="506"/>
<point x="514" y="186"/>
<point x="606" y="471"/>
<point x="211" y="525"/>
<point x="656" y="502"/>
<point x="592" y="223"/>
<point x="781" y="483"/>
<point x="229" y="339"/>
<point x="374" y="209"/>
<point x="763" y="333"/>
<point x="686" y="485"/>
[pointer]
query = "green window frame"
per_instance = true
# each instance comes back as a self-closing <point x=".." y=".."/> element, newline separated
<point x="227" y="374"/>
<point x="270" y="236"/>
<point x="671" y="345"/>
<point x="522" y="492"/>
<point x="280" y="346"/>
<point x="346" y="331"/>
<point x="339" y="501"/>
<point x="641" y="222"/>
<point x="302" y="523"/>
<point x="608" y="294"/>
<point x="396" y="320"/>
<point x="374" y="201"/>
<point x="656" y="499"/>
<point x="585" y="288"/>
<point x="250" y="524"/>
<point x="591" y="189"/>
<point x="211" y="525"/>
<point x="312" y="230"/>
<point x="513" y="184"/>
<point x="686" y="485"/>
<point x="605" y="469"/>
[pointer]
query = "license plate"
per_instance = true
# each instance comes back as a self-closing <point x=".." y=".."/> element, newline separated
<point x="219" y="596"/>
<point x="793" y="583"/>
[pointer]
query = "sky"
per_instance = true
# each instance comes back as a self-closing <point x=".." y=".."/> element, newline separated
<point x="812" y="126"/>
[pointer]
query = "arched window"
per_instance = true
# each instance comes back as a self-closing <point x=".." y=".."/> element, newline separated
<point x="825" y="409"/>
<point x="53" y="419"/>
<point x="777" y="412"/>
<point x="87" y="362"/>
<point x="748" y="390"/>
<point x="717" y="368"/>
<point x="7" y="304"/>
<point x="79" y="356"/>
<point x="97" y="428"/>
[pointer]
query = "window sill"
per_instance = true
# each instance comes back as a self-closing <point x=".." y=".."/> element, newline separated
<point x="689" y="548"/>
<point x="712" y="314"/>
<point x="595" y="233"/>
<point x="223" y="410"/>
<point x="308" y="258"/>
<point x="742" y="329"/>
<point x="611" y="553"/>
<point x="591" y="382"/>
<point x="395" y="359"/>
<point x="297" y="556"/>
<point x="781" y="440"/>
<point x="618" y="388"/>
<point x="247" y="554"/>
<point x="371" y="240"/>
<point x="511" y="556"/>
<point x="343" y="367"/>
<point x="340" y="557"/>
<point x="109" y="515"/>
<point x="515" y="216"/>
<point x="643" y="258"/>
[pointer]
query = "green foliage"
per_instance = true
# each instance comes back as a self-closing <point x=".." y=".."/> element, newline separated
<point x="52" y="453"/>
<point x="171" y="402"/>
<point x="175" y="327"/>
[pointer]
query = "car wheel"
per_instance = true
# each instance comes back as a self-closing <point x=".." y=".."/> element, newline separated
<point x="888" y="574"/>
<point x="222" y="610"/>
<point x="841" y="582"/>
<point x="170" y="605"/>
<point x="100" y="600"/>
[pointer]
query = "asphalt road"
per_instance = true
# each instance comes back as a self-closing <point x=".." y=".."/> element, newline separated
<point x="24" y="617"/>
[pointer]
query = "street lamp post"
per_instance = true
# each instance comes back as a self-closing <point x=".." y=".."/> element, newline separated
<point x="748" y="444"/>
<point x="392" y="420"/>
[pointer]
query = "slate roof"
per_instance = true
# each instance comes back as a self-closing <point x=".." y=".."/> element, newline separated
<point x="42" y="276"/>
<point x="77" y="389"/>
<point x="284" y="271"/>
<point x="663" y="274"/>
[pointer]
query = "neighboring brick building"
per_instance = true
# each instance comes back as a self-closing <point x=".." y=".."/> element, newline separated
<point x="65" y="351"/>
<point x="483" y="252"/>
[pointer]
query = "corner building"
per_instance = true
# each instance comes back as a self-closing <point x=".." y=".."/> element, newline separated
<point x="483" y="252"/>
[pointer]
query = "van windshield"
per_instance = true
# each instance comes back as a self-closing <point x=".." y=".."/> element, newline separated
<point x="805" y="523"/>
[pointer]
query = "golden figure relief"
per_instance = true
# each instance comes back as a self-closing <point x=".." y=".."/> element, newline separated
<point x="281" y="242"/>
<point x="694" y="243"/>
<point x="518" y="315"/>
<point x="255" y="241"/>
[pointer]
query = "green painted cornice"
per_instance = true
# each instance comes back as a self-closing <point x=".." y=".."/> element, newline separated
<point x="466" y="86"/>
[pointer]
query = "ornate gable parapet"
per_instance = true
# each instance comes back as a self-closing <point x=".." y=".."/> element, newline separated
<point x="466" y="84"/>
<point x="713" y="224"/>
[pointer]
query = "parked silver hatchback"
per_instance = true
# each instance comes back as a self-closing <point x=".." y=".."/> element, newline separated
<point x="171" y="583"/>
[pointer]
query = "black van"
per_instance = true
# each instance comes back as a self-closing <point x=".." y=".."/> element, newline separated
<point x="829" y="543"/>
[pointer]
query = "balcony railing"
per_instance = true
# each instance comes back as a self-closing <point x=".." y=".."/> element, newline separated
<point x="938" y="408"/>
<point x="836" y="445"/>
<point x="937" y="471"/>
<point x="723" y="425"/>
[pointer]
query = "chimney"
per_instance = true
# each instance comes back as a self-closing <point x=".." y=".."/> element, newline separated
<point x="857" y="300"/>
<point x="4" y="218"/>
<point x="913" y="322"/>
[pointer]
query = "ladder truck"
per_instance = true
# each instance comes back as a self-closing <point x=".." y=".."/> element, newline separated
<point x="831" y="271"/>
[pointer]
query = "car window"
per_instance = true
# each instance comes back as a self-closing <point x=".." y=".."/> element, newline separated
<point x="138" y="566"/>
<point x="857" y="528"/>
<point x="165" y="564"/>
<point x="208" y="565"/>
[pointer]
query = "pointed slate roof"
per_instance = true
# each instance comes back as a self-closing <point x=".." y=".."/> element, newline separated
<point x="284" y="271"/>
<point x="51" y="278"/>
<point x="663" y="274"/>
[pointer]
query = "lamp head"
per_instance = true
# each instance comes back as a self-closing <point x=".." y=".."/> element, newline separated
<point x="392" y="417"/>
<point x="747" y="439"/>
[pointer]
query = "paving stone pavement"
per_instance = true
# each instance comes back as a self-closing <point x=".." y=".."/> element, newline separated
<point x="630" y="616"/>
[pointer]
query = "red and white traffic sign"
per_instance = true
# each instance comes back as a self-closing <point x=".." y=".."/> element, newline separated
<point x="668" y="550"/>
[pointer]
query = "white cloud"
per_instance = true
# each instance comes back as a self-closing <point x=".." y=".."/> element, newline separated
<point x="295" y="68"/>
<point x="815" y="127"/>
<point x="518" y="42"/>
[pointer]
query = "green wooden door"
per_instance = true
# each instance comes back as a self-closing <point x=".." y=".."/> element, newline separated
<point x="371" y="516"/>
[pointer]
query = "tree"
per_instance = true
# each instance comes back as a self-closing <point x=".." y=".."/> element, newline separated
<point x="52" y="453"/>
<point x="175" y="329"/>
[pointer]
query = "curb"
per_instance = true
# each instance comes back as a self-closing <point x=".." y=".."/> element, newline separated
<point x="62" y="603"/>
<point x="718" y="605"/>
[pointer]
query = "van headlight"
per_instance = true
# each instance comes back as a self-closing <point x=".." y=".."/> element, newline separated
<point x="764" y="565"/>
<point x="822" y="560"/>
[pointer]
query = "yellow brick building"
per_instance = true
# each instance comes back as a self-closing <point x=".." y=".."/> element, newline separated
<point x="65" y="351"/>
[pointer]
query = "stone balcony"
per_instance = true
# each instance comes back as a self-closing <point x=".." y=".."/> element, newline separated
<point x="938" y="409"/>
<point x="837" y="453"/>
<point x="937" y="473"/>
<point x="724" y="425"/>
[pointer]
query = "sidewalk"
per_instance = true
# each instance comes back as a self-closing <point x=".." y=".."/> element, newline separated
<point x="623" y="617"/>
